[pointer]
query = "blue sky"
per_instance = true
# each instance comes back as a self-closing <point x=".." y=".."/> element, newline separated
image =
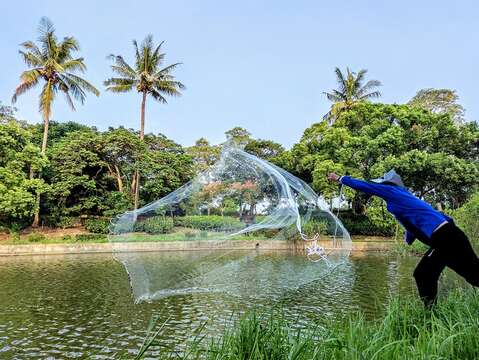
<point x="262" y="65"/>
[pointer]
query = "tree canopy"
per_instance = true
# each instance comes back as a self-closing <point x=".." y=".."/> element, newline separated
<point x="439" y="101"/>
<point x="437" y="159"/>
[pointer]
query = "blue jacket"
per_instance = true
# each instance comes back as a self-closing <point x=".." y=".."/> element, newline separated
<point x="418" y="217"/>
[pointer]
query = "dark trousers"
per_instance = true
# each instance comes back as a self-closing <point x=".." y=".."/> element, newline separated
<point x="449" y="247"/>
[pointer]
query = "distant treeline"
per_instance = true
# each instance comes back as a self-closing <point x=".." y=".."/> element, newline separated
<point x="88" y="173"/>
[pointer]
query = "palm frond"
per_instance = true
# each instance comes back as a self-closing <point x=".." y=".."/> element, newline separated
<point x="145" y="75"/>
<point x="146" y="52"/>
<point x="31" y="59"/>
<point x="47" y="38"/>
<point x="66" y="47"/>
<point x="82" y="83"/>
<point x="74" y="65"/>
<point x="53" y="62"/>
<point x="121" y="67"/>
<point x="371" y="84"/>
<point x="69" y="86"/>
<point x="31" y="75"/>
<point x="32" y="48"/>
<point x="335" y="96"/>
<point x="157" y="57"/>
<point x="374" y="94"/>
<point x="66" y="89"/>
<point x="358" y="81"/>
<point x="29" y="82"/>
<point x="340" y="79"/>
<point x="137" y="55"/>
<point x="351" y="87"/>
<point x="169" y="87"/>
<point x="45" y="27"/>
<point x="167" y="70"/>
<point x="157" y="96"/>
<point x="119" y="85"/>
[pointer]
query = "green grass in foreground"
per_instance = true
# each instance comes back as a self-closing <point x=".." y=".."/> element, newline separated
<point x="408" y="331"/>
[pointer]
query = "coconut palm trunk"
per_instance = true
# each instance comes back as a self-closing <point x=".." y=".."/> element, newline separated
<point x="142" y="138"/>
<point x="36" y="215"/>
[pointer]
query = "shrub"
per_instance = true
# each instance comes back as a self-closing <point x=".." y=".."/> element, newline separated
<point x="90" y="237"/>
<point x="155" y="225"/>
<point x="97" y="226"/>
<point x="15" y="236"/>
<point x="467" y="218"/>
<point x="35" y="237"/>
<point x="362" y="225"/>
<point x="380" y="218"/>
<point x="66" y="222"/>
<point x="205" y="222"/>
<point x="314" y="227"/>
<point x="402" y="249"/>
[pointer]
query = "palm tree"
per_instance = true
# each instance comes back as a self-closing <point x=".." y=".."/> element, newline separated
<point x="148" y="77"/>
<point x="52" y="62"/>
<point x="351" y="89"/>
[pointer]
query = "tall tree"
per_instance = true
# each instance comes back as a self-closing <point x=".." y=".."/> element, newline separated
<point x="148" y="77"/>
<point x="351" y="89"/>
<point x="18" y="156"/>
<point x="439" y="101"/>
<point x="265" y="149"/>
<point x="238" y="135"/>
<point x="369" y="139"/>
<point x="204" y="154"/>
<point x="52" y="62"/>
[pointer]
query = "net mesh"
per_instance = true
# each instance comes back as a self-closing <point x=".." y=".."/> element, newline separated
<point x="241" y="202"/>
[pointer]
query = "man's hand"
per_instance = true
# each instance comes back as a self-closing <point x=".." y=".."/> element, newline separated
<point x="333" y="177"/>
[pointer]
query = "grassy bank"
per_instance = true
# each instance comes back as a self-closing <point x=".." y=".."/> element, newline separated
<point x="408" y="331"/>
<point x="40" y="238"/>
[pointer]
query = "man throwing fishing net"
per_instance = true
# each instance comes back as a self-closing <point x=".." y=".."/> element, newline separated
<point x="449" y="246"/>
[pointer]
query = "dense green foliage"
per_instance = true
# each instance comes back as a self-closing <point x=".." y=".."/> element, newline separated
<point x="85" y="172"/>
<point x="467" y="217"/>
<point x="91" y="174"/>
<point x="436" y="157"/>
<point x="313" y="227"/>
<point x="19" y="158"/>
<point x="97" y="226"/>
<point x="155" y="225"/>
<point x="212" y="222"/>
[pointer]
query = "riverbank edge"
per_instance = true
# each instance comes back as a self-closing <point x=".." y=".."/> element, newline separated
<point x="89" y="248"/>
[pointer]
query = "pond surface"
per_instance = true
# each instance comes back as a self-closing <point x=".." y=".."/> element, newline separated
<point x="81" y="306"/>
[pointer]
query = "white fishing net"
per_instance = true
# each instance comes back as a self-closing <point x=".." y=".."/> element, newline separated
<point x="242" y="202"/>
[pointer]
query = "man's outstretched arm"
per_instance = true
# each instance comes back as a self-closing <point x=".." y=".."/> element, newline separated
<point x="382" y="191"/>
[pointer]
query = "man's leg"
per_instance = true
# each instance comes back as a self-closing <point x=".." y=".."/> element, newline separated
<point x="427" y="275"/>
<point x="461" y="256"/>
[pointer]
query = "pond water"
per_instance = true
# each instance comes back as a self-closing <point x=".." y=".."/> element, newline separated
<point x="81" y="306"/>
